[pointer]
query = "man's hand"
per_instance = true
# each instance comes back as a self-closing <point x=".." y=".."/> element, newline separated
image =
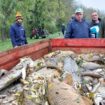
<point x="15" y="46"/>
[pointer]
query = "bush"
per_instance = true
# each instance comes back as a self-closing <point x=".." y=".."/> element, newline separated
<point x="51" y="27"/>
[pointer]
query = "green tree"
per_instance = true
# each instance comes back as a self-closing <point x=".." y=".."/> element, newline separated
<point x="6" y="8"/>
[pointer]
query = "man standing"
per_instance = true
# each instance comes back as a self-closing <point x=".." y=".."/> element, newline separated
<point x="96" y="26"/>
<point x="17" y="32"/>
<point x="78" y="27"/>
<point x="63" y="28"/>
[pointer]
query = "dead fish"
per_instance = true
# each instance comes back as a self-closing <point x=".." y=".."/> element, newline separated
<point x="59" y="93"/>
<point x="8" y="100"/>
<point x="100" y="72"/>
<point x="15" y="73"/>
<point x="99" y="99"/>
<point x="91" y="74"/>
<point x="95" y="81"/>
<point x="87" y="78"/>
<point x="52" y="54"/>
<point x="101" y="90"/>
<point x="3" y="72"/>
<point x="35" y="91"/>
<point x="89" y="87"/>
<point x="71" y="67"/>
<point x="91" y="57"/>
<point x="51" y="61"/>
<point x="64" y="54"/>
<point x="95" y="88"/>
<point x="91" y="66"/>
<point x="103" y="102"/>
<point x="9" y="78"/>
<point x="2" y="96"/>
<point x="49" y="73"/>
<point x="60" y="53"/>
<point x="39" y="64"/>
<point x="9" y="94"/>
<point x="23" y="70"/>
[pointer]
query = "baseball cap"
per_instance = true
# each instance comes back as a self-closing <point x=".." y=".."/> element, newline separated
<point x="79" y="10"/>
<point x="19" y="16"/>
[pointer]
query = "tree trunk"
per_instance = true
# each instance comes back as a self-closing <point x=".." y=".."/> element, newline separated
<point x="3" y="30"/>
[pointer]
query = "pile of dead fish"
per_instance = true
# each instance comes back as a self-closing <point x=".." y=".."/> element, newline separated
<point x="58" y="78"/>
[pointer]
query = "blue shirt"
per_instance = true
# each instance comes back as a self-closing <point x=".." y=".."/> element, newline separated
<point x="77" y="29"/>
<point x="94" y="31"/>
<point x="17" y="35"/>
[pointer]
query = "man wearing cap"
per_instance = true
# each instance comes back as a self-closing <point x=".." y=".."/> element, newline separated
<point x="78" y="27"/>
<point x="17" y="32"/>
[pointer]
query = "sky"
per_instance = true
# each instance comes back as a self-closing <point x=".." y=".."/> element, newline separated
<point x="97" y="4"/>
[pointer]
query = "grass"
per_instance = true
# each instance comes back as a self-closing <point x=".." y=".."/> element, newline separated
<point x="6" y="45"/>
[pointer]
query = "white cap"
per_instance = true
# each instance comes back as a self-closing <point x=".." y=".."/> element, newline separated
<point x="79" y="10"/>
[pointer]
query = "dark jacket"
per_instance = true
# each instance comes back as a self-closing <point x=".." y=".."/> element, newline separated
<point x="77" y="29"/>
<point x="63" y="29"/>
<point x="102" y="29"/>
<point x="17" y="35"/>
<point x="99" y="25"/>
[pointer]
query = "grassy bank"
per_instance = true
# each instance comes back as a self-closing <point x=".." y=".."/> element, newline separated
<point x="5" y="45"/>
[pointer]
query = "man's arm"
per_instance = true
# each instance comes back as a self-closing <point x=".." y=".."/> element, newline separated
<point x="12" y="36"/>
<point x="68" y="33"/>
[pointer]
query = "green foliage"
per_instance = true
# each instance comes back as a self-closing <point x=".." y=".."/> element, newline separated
<point x="6" y="9"/>
<point x="51" y="27"/>
<point x="36" y="13"/>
